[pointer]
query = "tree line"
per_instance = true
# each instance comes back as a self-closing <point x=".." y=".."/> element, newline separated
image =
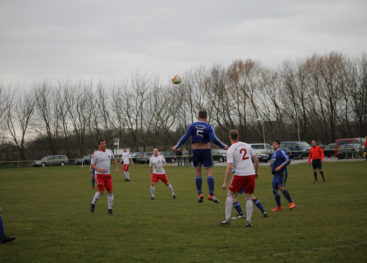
<point x="321" y="97"/>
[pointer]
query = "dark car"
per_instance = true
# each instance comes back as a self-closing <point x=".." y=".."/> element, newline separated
<point x="219" y="155"/>
<point x="329" y="150"/>
<point x="169" y="156"/>
<point x="346" y="151"/>
<point x="85" y="160"/>
<point x="298" y="149"/>
<point x="142" y="157"/>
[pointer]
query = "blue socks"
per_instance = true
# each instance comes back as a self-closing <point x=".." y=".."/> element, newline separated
<point x="211" y="185"/>
<point x="199" y="182"/>
<point x="237" y="206"/>
<point x="287" y="196"/>
<point x="277" y="198"/>
<point x="2" y="232"/>
<point x="93" y="181"/>
<point x="259" y="205"/>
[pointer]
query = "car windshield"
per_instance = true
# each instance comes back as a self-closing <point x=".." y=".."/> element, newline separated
<point x="45" y="158"/>
<point x="342" y="142"/>
<point x="304" y="145"/>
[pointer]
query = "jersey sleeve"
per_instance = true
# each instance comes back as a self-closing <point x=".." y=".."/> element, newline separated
<point x="184" y="137"/>
<point x="251" y="151"/>
<point x="322" y="153"/>
<point x="150" y="161"/>
<point x="214" y="138"/>
<point x="112" y="155"/>
<point x="93" y="159"/>
<point x="310" y="156"/>
<point x="230" y="156"/>
<point x="163" y="159"/>
<point x="286" y="157"/>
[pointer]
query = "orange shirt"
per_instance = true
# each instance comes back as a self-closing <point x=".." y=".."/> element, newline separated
<point x="316" y="153"/>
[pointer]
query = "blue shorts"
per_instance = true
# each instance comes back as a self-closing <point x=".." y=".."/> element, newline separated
<point x="280" y="179"/>
<point x="202" y="157"/>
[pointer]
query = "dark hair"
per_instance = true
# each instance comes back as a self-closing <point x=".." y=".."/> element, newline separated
<point x="234" y="134"/>
<point x="277" y="141"/>
<point x="203" y="114"/>
<point x="100" y="140"/>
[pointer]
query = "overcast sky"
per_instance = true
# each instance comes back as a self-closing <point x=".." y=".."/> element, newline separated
<point x="111" y="40"/>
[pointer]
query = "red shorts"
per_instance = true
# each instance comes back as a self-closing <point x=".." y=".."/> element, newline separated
<point x="240" y="183"/>
<point x="104" y="180"/>
<point x="125" y="167"/>
<point x="162" y="177"/>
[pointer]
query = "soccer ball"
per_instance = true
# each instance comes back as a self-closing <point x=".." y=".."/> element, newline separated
<point x="176" y="79"/>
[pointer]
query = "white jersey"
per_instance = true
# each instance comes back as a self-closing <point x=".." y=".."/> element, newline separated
<point x="157" y="163"/>
<point x="240" y="154"/>
<point x="126" y="157"/>
<point x="103" y="160"/>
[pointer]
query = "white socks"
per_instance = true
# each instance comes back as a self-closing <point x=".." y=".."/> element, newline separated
<point x="110" y="200"/>
<point x="171" y="189"/>
<point x="127" y="175"/>
<point x="96" y="197"/>
<point x="152" y="190"/>
<point x="228" y="207"/>
<point x="249" y="207"/>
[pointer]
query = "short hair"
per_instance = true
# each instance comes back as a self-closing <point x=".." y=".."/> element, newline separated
<point x="203" y="114"/>
<point x="234" y="134"/>
<point x="100" y="140"/>
<point x="277" y="141"/>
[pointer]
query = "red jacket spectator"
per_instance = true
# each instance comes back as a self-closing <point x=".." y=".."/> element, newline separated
<point x="316" y="153"/>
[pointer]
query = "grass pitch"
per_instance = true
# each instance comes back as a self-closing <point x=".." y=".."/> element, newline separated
<point x="47" y="209"/>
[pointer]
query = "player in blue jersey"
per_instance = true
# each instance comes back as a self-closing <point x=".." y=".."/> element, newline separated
<point x="279" y="162"/>
<point x="202" y="133"/>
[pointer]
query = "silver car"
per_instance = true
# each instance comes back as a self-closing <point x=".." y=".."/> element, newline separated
<point x="52" y="160"/>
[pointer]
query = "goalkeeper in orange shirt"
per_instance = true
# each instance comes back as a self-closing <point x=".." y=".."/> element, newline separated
<point x="317" y="156"/>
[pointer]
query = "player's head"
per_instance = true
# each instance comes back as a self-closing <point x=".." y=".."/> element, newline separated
<point x="203" y="115"/>
<point x="314" y="143"/>
<point x="234" y="135"/>
<point x="276" y="144"/>
<point x="155" y="152"/>
<point x="101" y="144"/>
<point x="124" y="149"/>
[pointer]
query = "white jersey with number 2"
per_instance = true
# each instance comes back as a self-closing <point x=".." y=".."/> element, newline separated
<point x="241" y="153"/>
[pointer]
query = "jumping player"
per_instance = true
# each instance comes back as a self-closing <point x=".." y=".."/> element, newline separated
<point x="279" y="162"/>
<point x="101" y="162"/>
<point x="317" y="156"/>
<point x="157" y="163"/>
<point x="126" y="158"/>
<point x="242" y="155"/>
<point x="202" y="133"/>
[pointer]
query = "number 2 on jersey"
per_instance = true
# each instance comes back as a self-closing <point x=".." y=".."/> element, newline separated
<point x="244" y="154"/>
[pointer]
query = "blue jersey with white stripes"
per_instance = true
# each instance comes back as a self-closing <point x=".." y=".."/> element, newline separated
<point x="200" y="132"/>
<point x="278" y="158"/>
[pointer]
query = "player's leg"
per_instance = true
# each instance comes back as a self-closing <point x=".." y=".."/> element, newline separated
<point x="249" y="186"/>
<point x="228" y="208"/>
<point x="210" y="180"/>
<point x="199" y="183"/>
<point x="170" y="188"/>
<point x="288" y="197"/>
<point x="93" y="182"/>
<point x="276" y="183"/>
<point x="259" y="205"/>
<point x="154" y="180"/>
<point x="314" y="170"/>
<point x="237" y="206"/>
<point x="249" y="209"/>
<point x="110" y="198"/>
<point x="321" y="171"/>
<point x="3" y="237"/>
<point x="101" y="186"/>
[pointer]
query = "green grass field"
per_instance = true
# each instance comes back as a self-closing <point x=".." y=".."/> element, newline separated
<point x="47" y="209"/>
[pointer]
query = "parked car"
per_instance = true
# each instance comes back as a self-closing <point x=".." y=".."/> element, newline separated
<point x="261" y="155"/>
<point x="52" y="160"/>
<point x="329" y="150"/>
<point x="340" y="142"/>
<point x="169" y="156"/>
<point x="298" y="149"/>
<point x="85" y="160"/>
<point x="219" y="155"/>
<point x="142" y="157"/>
<point x="133" y="156"/>
<point x="349" y="151"/>
<point x="264" y="147"/>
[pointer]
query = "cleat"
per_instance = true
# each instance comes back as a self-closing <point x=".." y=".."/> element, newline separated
<point x="265" y="214"/>
<point x="126" y="180"/>
<point x="324" y="180"/>
<point x="225" y="222"/>
<point x="315" y="182"/>
<point x="174" y="196"/>
<point x="110" y="212"/>
<point x="201" y="198"/>
<point x="292" y="205"/>
<point x="152" y="198"/>
<point x="248" y="224"/>
<point x="92" y="207"/>
<point x="6" y="239"/>
<point x="213" y="198"/>
<point x="278" y="208"/>
<point x="238" y="217"/>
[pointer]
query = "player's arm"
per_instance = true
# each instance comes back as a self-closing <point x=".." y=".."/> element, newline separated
<point x="120" y="160"/>
<point x="116" y="166"/>
<point x="310" y="156"/>
<point x="322" y="154"/>
<point x="214" y="139"/>
<point x="164" y="162"/>
<point x="131" y="161"/>
<point x="227" y="175"/>
<point x="256" y="164"/>
<point x="183" y="139"/>
<point x="286" y="157"/>
<point x="150" y="167"/>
